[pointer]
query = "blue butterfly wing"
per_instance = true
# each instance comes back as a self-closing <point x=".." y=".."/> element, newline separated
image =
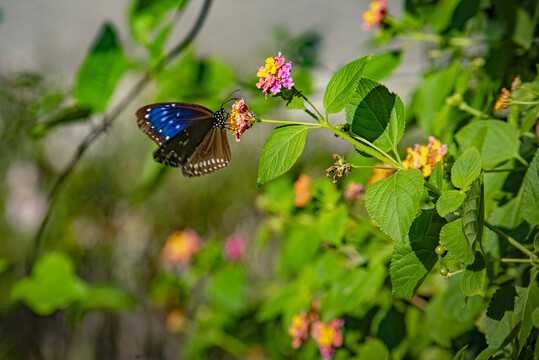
<point x="163" y="121"/>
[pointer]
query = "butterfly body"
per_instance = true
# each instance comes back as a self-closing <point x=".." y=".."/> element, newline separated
<point x="188" y="135"/>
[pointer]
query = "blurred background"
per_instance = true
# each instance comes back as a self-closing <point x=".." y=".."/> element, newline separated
<point x="116" y="213"/>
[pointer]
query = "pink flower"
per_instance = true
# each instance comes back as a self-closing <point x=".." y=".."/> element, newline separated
<point x="234" y="248"/>
<point x="299" y="329"/>
<point x="328" y="336"/>
<point x="275" y="75"/>
<point x="240" y="118"/>
<point x="375" y="14"/>
<point x="353" y="190"/>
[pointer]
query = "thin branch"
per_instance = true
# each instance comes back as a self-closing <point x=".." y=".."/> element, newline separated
<point x="107" y="122"/>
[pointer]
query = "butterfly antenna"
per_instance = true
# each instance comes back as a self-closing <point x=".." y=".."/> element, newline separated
<point x="230" y="98"/>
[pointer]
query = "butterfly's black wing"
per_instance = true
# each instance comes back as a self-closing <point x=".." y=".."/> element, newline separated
<point x="189" y="135"/>
<point x="163" y="121"/>
<point x="180" y="148"/>
<point x="211" y="155"/>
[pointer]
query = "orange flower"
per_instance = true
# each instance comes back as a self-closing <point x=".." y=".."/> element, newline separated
<point x="379" y="174"/>
<point x="175" y="320"/>
<point x="302" y="190"/>
<point x="503" y="100"/>
<point x="180" y="247"/>
<point x="425" y="157"/>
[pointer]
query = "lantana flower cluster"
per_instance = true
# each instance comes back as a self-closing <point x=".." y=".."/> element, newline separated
<point x="275" y="75"/>
<point x="424" y="157"/>
<point x="327" y="336"/>
<point x="374" y="16"/>
<point x="505" y="98"/>
<point x="180" y="247"/>
<point x="240" y="119"/>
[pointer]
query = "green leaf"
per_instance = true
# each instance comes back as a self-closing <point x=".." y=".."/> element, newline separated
<point x="376" y="114"/>
<point x="497" y="141"/>
<point x="342" y="85"/>
<point x="296" y="103"/>
<point x="529" y="119"/>
<point x="460" y="354"/>
<point x="526" y="23"/>
<point x="530" y="195"/>
<point x="430" y="98"/>
<point x="100" y="71"/>
<point x="394" y="202"/>
<point x="280" y="151"/>
<point x="436" y="178"/>
<point x="525" y="305"/>
<point x="458" y="253"/>
<point x="106" y="297"/>
<point x="4" y="265"/>
<point x="332" y="225"/>
<point x="473" y="212"/>
<point x="449" y="201"/>
<point x="412" y="260"/>
<point x="227" y="288"/>
<point x="382" y="65"/>
<point x="535" y="318"/>
<point x="373" y="348"/>
<point x="300" y="247"/>
<point x="466" y="169"/>
<point x="500" y="317"/>
<point x="450" y="314"/>
<point x="64" y="116"/>
<point x="146" y="19"/>
<point x="52" y="285"/>
<point x="443" y="15"/>
<point x="472" y="281"/>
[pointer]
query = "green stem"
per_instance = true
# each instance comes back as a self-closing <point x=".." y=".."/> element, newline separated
<point x="433" y="188"/>
<point x="456" y="41"/>
<point x="371" y="167"/>
<point x="451" y="274"/>
<point x="467" y="108"/>
<point x="509" y="239"/>
<point x="367" y="147"/>
<point x="525" y="102"/>
<point x="522" y="161"/>
<point x="510" y="260"/>
<point x="506" y="170"/>
<point x="289" y="123"/>
<point x="321" y="118"/>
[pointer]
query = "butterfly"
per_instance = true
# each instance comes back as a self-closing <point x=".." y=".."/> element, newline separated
<point x="188" y="135"/>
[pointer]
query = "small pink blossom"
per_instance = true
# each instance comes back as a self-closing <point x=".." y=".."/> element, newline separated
<point x="234" y="248"/>
<point x="353" y="190"/>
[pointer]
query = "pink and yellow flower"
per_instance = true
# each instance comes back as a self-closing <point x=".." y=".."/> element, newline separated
<point x="240" y="118"/>
<point x="299" y="329"/>
<point x="302" y="190"/>
<point x="328" y="336"/>
<point x="425" y="157"/>
<point x="375" y="14"/>
<point x="180" y="247"/>
<point x="234" y="248"/>
<point x="275" y="75"/>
